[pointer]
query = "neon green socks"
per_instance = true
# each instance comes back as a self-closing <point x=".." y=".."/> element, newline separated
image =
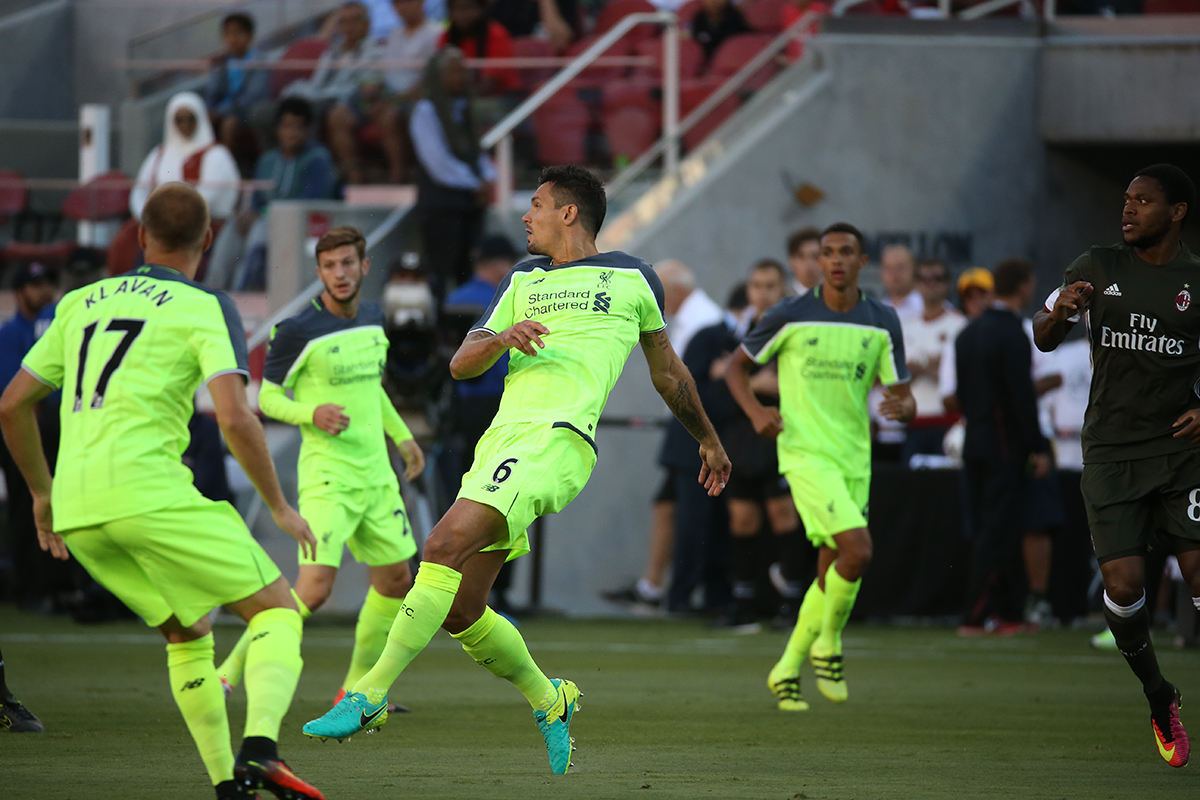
<point x="808" y="628"/>
<point x="273" y="666"/>
<point x="421" y="613"/>
<point x="375" y="619"/>
<point x="197" y="691"/>
<point x="497" y="646"/>
<point x="839" y="602"/>
<point x="235" y="663"/>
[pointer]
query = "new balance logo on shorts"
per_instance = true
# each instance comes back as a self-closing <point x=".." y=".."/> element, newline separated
<point x="602" y="302"/>
<point x="196" y="684"/>
<point x="491" y="487"/>
<point x="259" y="636"/>
<point x="1113" y="291"/>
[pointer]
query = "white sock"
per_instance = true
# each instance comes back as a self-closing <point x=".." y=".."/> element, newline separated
<point x="1125" y="611"/>
<point x="648" y="590"/>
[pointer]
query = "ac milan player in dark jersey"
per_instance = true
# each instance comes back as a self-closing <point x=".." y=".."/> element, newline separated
<point x="1141" y="434"/>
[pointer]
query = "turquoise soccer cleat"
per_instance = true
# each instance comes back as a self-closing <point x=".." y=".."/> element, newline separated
<point x="556" y="723"/>
<point x="352" y="714"/>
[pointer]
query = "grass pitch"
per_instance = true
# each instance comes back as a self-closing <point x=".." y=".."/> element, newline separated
<point x="671" y="710"/>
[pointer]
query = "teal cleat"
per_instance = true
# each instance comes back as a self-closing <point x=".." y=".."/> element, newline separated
<point x="556" y="723"/>
<point x="352" y="714"/>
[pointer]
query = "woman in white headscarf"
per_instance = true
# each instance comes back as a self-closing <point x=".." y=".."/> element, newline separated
<point x="189" y="153"/>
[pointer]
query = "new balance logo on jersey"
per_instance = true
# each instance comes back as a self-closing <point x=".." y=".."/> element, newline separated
<point x="261" y="635"/>
<point x="535" y="283"/>
<point x="602" y="302"/>
<point x="1113" y="291"/>
<point x="812" y="341"/>
<point x="196" y="684"/>
<point x="491" y="487"/>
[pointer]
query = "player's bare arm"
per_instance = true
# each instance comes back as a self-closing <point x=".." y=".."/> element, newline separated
<point x="414" y="458"/>
<point x="1051" y="327"/>
<point x="246" y="440"/>
<point x="329" y="418"/>
<point x="1188" y="426"/>
<point x="481" y="349"/>
<point x="898" y="403"/>
<point x="18" y="418"/>
<point x="673" y="381"/>
<point x="766" y="420"/>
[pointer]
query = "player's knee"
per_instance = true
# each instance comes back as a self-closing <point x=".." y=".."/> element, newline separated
<point x="395" y="582"/>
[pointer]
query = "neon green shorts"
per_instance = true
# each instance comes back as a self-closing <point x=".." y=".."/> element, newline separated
<point x="371" y="521"/>
<point x="525" y="470"/>
<point x="181" y="561"/>
<point x="829" y="503"/>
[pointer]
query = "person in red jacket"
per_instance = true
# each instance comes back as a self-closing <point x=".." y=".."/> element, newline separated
<point x="478" y="36"/>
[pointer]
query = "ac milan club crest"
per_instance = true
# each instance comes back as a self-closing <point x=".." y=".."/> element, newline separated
<point x="1183" y="300"/>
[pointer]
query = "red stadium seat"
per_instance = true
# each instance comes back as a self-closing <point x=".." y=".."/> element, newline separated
<point x="615" y="10"/>
<point x="691" y="95"/>
<point x="765" y="16"/>
<point x="686" y="13"/>
<point x="561" y="127"/>
<point x="691" y="59"/>
<point x="307" y="49"/>
<point x="14" y="197"/>
<point x="533" y="47"/>
<point x="736" y="51"/>
<point x="630" y="131"/>
<point x="596" y="77"/>
<point x="634" y="93"/>
<point x="102" y="198"/>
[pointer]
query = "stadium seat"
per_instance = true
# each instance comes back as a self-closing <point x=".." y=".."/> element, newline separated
<point x="765" y="16"/>
<point x="14" y="196"/>
<point x="736" y="51"/>
<point x="691" y="59"/>
<point x="560" y="127"/>
<point x="630" y="131"/>
<point x="686" y="13"/>
<point x="103" y="198"/>
<point x="596" y="77"/>
<point x="633" y="93"/>
<point x="533" y="47"/>
<point x="615" y="10"/>
<point x="307" y="49"/>
<point x="691" y="95"/>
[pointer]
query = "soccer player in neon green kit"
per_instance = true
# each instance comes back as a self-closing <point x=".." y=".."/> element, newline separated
<point x="832" y="344"/>
<point x="331" y="355"/>
<point x="570" y="318"/>
<point x="129" y="353"/>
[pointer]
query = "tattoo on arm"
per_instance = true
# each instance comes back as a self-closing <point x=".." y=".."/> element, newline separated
<point x="475" y="336"/>
<point x="685" y="405"/>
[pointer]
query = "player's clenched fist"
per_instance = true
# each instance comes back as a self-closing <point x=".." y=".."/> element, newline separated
<point x="1071" y="300"/>
<point x="524" y="335"/>
<point x="330" y="418"/>
<point x="768" y="422"/>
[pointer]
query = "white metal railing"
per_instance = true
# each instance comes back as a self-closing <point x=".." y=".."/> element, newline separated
<point x="669" y="141"/>
<point x="500" y="136"/>
<point x="263" y="332"/>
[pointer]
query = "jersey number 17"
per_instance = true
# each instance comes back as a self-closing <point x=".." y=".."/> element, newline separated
<point x="131" y="328"/>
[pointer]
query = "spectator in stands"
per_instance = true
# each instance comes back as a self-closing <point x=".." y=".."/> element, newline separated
<point x="232" y="89"/>
<point x="38" y="575"/>
<point x="343" y="66"/>
<point x="897" y="271"/>
<point x="688" y="307"/>
<point x="926" y="336"/>
<point x="473" y="32"/>
<point x="300" y="168"/>
<point x="454" y="176"/>
<point x="716" y="22"/>
<point x="976" y="293"/>
<point x="803" y="247"/>
<point x="385" y="98"/>
<point x="557" y="21"/>
<point x="1004" y="446"/>
<point x="756" y="492"/>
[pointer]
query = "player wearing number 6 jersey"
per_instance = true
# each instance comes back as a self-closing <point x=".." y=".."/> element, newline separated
<point x="1141" y="464"/>
<point x="129" y="353"/>
<point x="571" y="319"/>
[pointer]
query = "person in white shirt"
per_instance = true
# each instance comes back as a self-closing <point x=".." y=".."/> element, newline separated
<point x="344" y="65"/>
<point x="926" y="336"/>
<point x="803" y="247"/>
<point x="688" y="308"/>
<point x="897" y="267"/>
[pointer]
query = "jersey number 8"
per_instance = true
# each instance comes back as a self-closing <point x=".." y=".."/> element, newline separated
<point x="132" y="328"/>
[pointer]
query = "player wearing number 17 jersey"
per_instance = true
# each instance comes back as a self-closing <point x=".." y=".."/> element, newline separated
<point x="129" y="353"/>
<point x="1141" y="463"/>
<point x="571" y="319"/>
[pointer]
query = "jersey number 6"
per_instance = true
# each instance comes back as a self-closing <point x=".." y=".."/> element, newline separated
<point x="131" y="328"/>
<point x="504" y="471"/>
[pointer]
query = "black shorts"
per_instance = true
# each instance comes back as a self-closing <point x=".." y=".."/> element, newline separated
<point x="666" y="492"/>
<point x="1043" y="503"/>
<point x="756" y="488"/>
<point x="1128" y="500"/>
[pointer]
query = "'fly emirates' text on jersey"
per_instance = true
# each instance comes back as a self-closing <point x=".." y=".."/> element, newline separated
<point x="596" y="309"/>
<point x="1144" y="327"/>
<point x="828" y="362"/>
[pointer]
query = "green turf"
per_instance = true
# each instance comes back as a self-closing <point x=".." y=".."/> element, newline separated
<point x="671" y="710"/>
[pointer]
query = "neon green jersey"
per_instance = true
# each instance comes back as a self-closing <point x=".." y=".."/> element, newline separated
<point x="129" y="353"/>
<point x="324" y="358"/>
<point x="595" y="309"/>
<point x="828" y="362"/>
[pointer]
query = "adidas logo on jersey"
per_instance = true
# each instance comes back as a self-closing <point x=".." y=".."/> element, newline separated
<point x="1113" y="291"/>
